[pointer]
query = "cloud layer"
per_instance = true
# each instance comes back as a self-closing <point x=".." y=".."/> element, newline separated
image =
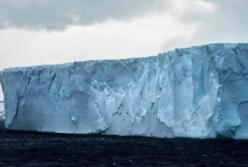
<point x="58" y="14"/>
<point x="213" y="18"/>
<point x="221" y="20"/>
<point x="108" y="29"/>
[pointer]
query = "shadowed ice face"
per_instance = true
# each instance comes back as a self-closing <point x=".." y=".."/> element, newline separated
<point x="1" y="93"/>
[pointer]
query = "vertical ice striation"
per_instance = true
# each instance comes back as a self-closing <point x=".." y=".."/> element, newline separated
<point x="195" y="92"/>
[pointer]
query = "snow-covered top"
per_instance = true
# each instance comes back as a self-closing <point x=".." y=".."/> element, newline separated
<point x="66" y="65"/>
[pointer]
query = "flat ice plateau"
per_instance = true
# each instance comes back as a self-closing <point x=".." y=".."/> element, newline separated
<point x="199" y="92"/>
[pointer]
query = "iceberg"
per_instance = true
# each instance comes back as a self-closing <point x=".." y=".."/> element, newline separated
<point x="197" y="92"/>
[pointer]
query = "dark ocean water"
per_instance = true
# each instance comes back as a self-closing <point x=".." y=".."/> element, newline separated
<point x="35" y="149"/>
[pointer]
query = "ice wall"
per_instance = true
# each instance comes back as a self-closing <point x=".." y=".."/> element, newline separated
<point x="195" y="92"/>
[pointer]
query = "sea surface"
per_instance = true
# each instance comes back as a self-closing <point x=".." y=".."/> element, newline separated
<point x="39" y="149"/>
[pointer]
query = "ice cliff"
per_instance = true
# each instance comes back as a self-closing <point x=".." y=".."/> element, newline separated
<point x="194" y="92"/>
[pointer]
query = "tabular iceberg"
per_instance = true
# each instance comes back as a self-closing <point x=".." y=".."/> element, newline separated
<point x="197" y="92"/>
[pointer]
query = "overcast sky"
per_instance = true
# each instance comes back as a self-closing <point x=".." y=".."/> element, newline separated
<point x="56" y="31"/>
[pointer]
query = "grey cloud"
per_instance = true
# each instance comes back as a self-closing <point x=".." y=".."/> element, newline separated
<point x="227" y="23"/>
<point x="58" y="14"/>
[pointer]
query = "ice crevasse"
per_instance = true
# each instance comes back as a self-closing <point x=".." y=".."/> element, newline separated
<point x="199" y="92"/>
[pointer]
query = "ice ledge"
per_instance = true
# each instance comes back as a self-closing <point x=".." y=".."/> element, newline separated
<point x="194" y="92"/>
